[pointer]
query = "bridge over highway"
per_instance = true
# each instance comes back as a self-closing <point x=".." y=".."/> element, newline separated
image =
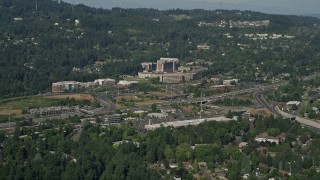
<point x="301" y="120"/>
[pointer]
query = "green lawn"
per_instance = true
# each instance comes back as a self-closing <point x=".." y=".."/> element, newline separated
<point x="17" y="105"/>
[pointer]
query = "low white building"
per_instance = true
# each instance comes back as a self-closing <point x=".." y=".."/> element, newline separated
<point x="242" y="145"/>
<point x="290" y="103"/>
<point x="105" y="81"/>
<point x="203" y="46"/>
<point x="17" y="18"/>
<point x="158" y="115"/>
<point x="191" y="122"/>
<point x="265" y="138"/>
<point x="140" y="112"/>
<point x="126" y="84"/>
<point x="269" y="139"/>
<point x="229" y="81"/>
<point x="87" y="84"/>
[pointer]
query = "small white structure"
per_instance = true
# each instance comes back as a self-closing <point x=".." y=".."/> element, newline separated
<point x="105" y="81"/>
<point x="18" y="19"/>
<point x="76" y="22"/>
<point x="290" y="103"/>
<point x="229" y="81"/>
<point x="315" y="109"/>
<point x="140" y="112"/>
<point x="242" y="145"/>
<point x="269" y="139"/>
<point x="172" y="166"/>
<point x="203" y="46"/>
<point x="265" y="138"/>
<point x="124" y="83"/>
<point x="245" y="176"/>
<point x="158" y="115"/>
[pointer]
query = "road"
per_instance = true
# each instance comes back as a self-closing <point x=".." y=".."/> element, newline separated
<point x="263" y="103"/>
<point x="7" y="125"/>
<point x="301" y="120"/>
<point x="277" y="112"/>
<point x="260" y="88"/>
<point x="107" y="106"/>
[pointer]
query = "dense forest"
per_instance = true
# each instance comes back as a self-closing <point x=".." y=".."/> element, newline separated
<point x="49" y="152"/>
<point x="44" y="44"/>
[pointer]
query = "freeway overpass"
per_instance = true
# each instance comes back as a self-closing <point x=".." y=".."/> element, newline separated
<point x="301" y="120"/>
<point x="263" y="102"/>
<point x="223" y="95"/>
<point x="260" y="88"/>
<point x="277" y="112"/>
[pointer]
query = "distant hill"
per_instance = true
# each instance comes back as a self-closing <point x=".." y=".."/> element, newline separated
<point x="270" y="7"/>
<point x="314" y="15"/>
<point x="60" y="41"/>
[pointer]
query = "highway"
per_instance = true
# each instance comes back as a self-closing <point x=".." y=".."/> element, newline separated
<point x="109" y="106"/>
<point x="301" y="120"/>
<point x="105" y="103"/>
<point x="233" y="93"/>
<point x="7" y="125"/>
<point x="263" y="103"/>
<point x="260" y="88"/>
<point x="277" y="112"/>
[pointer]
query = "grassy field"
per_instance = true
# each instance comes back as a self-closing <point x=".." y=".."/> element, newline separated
<point x="149" y="103"/>
<point x="138" y="102"/>
<point x="263" y="111"/>
<point x="161" y="93"/>
<point x="75" y="96"/>
<point x="15" y="106"/>
<point x="141" y="80"/>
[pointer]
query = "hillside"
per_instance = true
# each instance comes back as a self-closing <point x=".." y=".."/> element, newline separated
<point x="59" y="41"/>
<point x="314" y="15"/>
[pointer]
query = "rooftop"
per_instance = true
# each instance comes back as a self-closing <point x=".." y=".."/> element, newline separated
<point x="191" y="122"/>
<point x="163" y="60"/>
<point x="65" y="82"/>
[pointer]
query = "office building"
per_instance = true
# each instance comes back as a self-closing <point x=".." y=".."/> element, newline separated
<point x="168" y="65"/>
<point x="148" y="66"/>
<point x="115" y="118"/>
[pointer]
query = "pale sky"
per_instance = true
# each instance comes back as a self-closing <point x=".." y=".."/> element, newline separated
<point x="267" y="6"/>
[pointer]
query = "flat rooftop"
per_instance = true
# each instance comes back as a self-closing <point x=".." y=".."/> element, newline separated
<point x="163" y="60"/>
<point x="192" y="122"/>
<point x="65" y="82"/>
